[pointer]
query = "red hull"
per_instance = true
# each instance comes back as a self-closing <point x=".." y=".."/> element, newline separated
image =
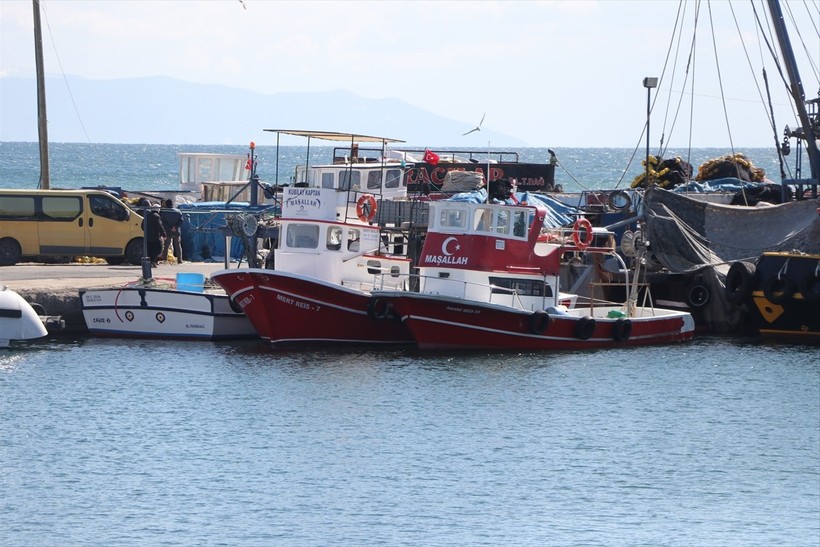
<point x="440" y="323"/>
<point x="286" y="308"/>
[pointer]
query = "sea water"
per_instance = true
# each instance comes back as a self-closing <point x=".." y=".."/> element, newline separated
<point x="114" y="442"/>
<point x="107" y="442"/>
<point x="156" y="166"/>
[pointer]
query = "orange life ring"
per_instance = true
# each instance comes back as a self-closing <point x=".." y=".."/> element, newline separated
<point x="366" y="208"/>
<point x="582" y="224"/>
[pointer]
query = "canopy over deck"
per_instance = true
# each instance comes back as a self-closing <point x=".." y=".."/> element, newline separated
<point x="332" y="135"/>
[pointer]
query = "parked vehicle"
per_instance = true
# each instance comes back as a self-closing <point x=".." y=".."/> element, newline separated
<point x="67" y="223"/>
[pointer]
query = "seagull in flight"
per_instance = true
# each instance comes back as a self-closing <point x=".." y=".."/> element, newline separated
<point x="243" y="4"/>
<point x="477" y="128"/>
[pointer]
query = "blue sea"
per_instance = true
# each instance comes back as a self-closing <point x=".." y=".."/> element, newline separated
<point x="156" y="166"/>
<point x="110" y="442"/>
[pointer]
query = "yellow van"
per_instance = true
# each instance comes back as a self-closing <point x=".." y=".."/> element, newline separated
<point x="67" y="223"/>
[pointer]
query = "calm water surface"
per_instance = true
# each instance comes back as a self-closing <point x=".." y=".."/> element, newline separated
<point x="715" y="442"/>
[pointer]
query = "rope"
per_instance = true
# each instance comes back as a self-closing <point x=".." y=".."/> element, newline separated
<point x="62" y="71"/>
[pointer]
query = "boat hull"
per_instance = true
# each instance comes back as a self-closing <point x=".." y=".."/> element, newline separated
<point x="18" y="320"/>
<point x="136" y="312"/>
<point x="293" y="309"/>
<point x="446" y="323"/>
<point x="781" y="294"/>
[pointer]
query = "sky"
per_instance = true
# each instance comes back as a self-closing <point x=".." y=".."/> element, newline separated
<point x="546" y="72"/>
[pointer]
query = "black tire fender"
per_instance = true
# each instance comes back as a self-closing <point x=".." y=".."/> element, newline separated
<point x="539" y="320"/>
<point x="619" y="196"/>
<point x="622" y="329"/>
<point x="739" y="282"/>
<point x="584" y="328"/>
<point x="698" y="295"/>
<point x="234" y="305"/>
<point x="778" y="289"/>
<point x="810" y="287"/>
<point x="378" y="308"/>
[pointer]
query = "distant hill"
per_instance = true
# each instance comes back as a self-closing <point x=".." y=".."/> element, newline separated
<point x="161" y="110"/>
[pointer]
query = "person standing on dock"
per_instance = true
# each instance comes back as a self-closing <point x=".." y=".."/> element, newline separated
<point x="172" y="223"/>
<point x="154" y="231"/>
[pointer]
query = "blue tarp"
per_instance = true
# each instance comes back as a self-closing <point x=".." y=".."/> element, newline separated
<point x="558" y="213"/>
<point x="729" y="184"/>
<point x="204" y="228"/>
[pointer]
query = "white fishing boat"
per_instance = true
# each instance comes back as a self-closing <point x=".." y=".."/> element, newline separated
<point x="184" y="310"/>
<point x="18" y="320"/>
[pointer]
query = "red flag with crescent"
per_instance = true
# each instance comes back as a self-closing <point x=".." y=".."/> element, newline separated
<point x="431" y="157"/>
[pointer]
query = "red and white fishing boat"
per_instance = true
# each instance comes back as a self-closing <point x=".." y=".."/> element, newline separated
<point x="489" y="279"/>
<point x="330" y="252"/>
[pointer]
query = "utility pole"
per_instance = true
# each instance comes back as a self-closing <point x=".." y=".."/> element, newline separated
<point x="42" y="119"/>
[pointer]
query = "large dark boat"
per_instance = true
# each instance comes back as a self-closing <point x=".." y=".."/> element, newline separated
<point x="696" y="241"/>
<point x="779" y="294"/>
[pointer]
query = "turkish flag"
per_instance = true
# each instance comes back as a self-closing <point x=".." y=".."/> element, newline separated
<point x="431" y="157"/>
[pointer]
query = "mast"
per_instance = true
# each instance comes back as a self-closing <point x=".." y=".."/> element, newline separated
<point x="796" y="88"/>
<point x="42" y="119"/>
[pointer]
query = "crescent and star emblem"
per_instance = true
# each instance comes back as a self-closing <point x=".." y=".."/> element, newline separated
<point x="447" y="242"/>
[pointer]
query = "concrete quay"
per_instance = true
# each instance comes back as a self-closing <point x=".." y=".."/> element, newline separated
<point x="56" y="287"/>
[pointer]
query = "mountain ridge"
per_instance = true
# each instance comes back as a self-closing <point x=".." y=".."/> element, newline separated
<point x="165" y="110"/>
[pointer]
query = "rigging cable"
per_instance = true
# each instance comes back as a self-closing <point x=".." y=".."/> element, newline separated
<point x="788" y="10"/>
<point x="773" y="52"/>
<point x="676" y="31"/>
<point x="720" y="84"/>
<point x="65" y="78"/>
<point x="776" y="142"/>
<point x="770" y="110"/>
<point x="693" y="65"/>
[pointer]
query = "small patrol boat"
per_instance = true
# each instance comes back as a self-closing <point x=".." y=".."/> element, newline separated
<point x="18" y="320"/>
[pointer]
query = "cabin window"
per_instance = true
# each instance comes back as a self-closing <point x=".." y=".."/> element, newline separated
<point x="106" y="207"/>
<point x="374" y="180"/>
<point x="303" y="236"/>
<point x="520" y="223"/>
<point x="453" y="218"/>
<point x="353" y="237"/>
<point x="205" y="170"/>
<point x="334" y="238"/>
<point x="393" y="178"/>
<point x="350" y="179"/>
<point x="483" y="220"/>
<point x="374" y="267"/>
<point x="521" y="287"/>
<point x="226" y="169"/>
<point x="17" y="207"/>
<point x="328" y="179"/>
<point x="62" y="208"/>
<point x="502" y="222"/>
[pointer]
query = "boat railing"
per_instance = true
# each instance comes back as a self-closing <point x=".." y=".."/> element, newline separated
<point x="415" y="281"/>
<point x="452" y="156"/>
<point x="633" y="288"/>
